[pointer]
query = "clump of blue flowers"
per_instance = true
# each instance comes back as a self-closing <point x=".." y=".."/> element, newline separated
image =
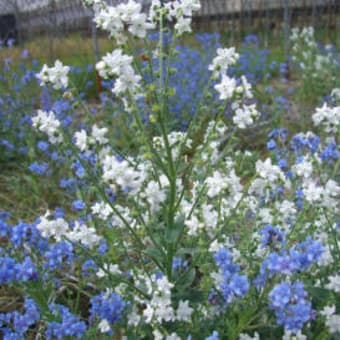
<point x="292" y="309"/>
<point x="108" y="307"/>
<point x="232" y="284"/>
<point x="69" y="326"/>
<point x="298" y="258"/>
<point x="14" y="325"/>
<point x="11" y="270"/>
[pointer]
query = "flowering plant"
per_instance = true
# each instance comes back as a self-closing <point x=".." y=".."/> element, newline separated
<point x="318" y="66"/>
<point x="185" y="237"/>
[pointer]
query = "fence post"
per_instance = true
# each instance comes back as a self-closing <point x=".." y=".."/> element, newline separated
<point x="18" y="23"/>
<point x="286" y="30"/>
<point x="267" y="25"/>
<point x="51" y="32"/>
<point x="314" y="14"/>
<point x="95" y="42"/>
<point x="232" y="9"/>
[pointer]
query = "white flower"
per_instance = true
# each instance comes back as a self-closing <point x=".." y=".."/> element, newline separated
<point x="139" y="26"/>
<point x="56" y="228"/>
<point x="104" y="326"/>
<point x="47" y="123"/>
<point x="148" y="313"/>
<point x="127" y="82"/>
<point x="108" y="19"/>
<point x="210" y="216"/>
<point x="330" y="195"/>
<point x="172" y="336"/>
<point x="326" y="257"/>
<point x="194" y="225"/>
<point x="154" y="195"/>
<point x="268" y="171"/>
<point x="336" y="94"/>
<point x="129" y="10"/>
<point x="226" y="88"/>
<point x="115" y="19"/>
<point x="215" y="184"/>
<point x="81" y="140"/>
<point x="328" y="311"/>
<point x="121" y="173"/>
<point x="265" y="216"/>
<point x="246" y="86"/>
<point x="186" y="7"/>
<point x="304" y="168"/>
<point x="244" y="115"/>
<point x="334" y="283"/>
<point x="288" y="335"/>
<point x="184" y="312"/>
<point x="225" y="58"/>
<point x="99" y="134"/>
<point x="81" y="233"/>
<point x="111" y="268"/>
<point x="157" y="335"/>
<point x="102" y="210"/>
<point x="57" y="75"/>
<point x="183" y="25"/>
<point x="134" y="317"/>
<point x="333" y="322"/>
<point x="248" y="337"/>
<point x="114" y="64"/>
<point x="328" y="117"/>
<point x="119" y="65"/>
<point x="312" y="192"/>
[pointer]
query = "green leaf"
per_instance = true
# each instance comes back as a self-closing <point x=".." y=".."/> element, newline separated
<point x="173" y="234"/>
<point x="186" y="279"/>
<point x="156" y="256"/>
<point x="318" y="293"/>
<point x="187" y="251"/>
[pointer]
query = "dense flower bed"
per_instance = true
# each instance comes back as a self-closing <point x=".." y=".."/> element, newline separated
<point x="186" y="235"/>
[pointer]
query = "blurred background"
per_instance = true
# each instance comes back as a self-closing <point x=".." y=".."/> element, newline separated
<point x="63" y="28"/>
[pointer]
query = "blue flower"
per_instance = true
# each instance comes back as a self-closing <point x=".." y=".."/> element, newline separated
<point x="42" y="145"/>
<point x="232" y="284"/>
<point x="39" y="168"/>
<point x="89" y="267"/>
<point x="78" y="205"/>
<point x="7" y="270"/>
<point x="271" y="145"/>
<point x="214" y="336"/>
<point x="330" y="152"/>
<point x="109" y="307"/>
<point x="289" y="303"/>
<point x="69" y="326"/>
<point x="59" y="256"/>
<point x="271" y="236"/>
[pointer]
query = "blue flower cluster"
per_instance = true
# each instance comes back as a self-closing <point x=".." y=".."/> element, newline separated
<point x="69" y="326"/>
<point x="213" y="336"/>
<point x="59" y="256"/>
<point x="14" y="325"/>
<point x="15" y="98"/>
<point x="20" y="234"/>
<point x="253" y="61"/>
<point x="292" y="310"/>
<point x="298" y="258"/>
<point x="11" y="271"/>
<point x="107" y="306"/>
<point x="330" y="152"/>
<point x="178" y="264"/>
<point x="233" y="284"/>
<point x="300" y="143"/>
<point x="272" y="236"/>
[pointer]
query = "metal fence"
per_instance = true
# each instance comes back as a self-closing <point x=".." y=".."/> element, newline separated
<point x="49" y="23"/>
